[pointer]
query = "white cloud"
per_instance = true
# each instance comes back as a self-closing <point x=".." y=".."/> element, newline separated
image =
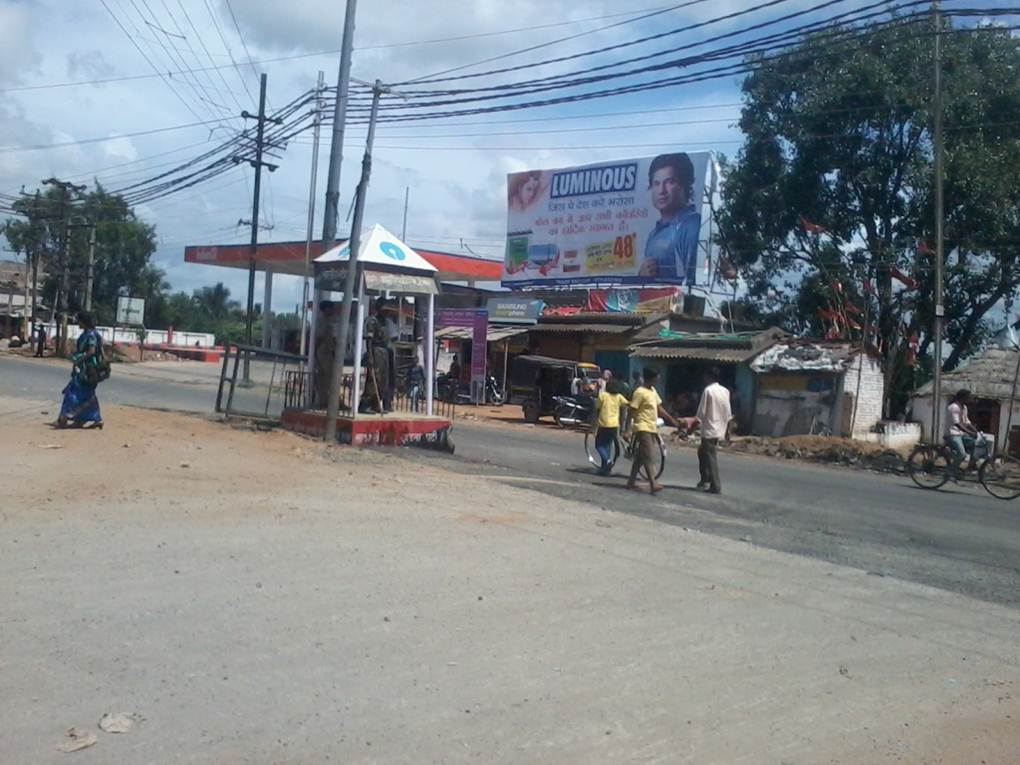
<point x="453" y="194"/>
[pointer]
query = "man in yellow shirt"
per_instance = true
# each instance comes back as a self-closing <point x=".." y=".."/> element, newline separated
<point x="607" y="406"/>
<point x="647" y="408"/>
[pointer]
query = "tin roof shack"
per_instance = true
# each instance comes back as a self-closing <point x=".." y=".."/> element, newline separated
<point x="817" y="387"/>
<point x="989" y="378"/>
<point x="682" y="359"/>
<point x="599" y="338"/>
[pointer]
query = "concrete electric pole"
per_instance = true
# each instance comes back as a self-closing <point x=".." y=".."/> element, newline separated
<point x="258" y="164"/>
<point x="319" y="88"/>
<point x="331" y="212"/>
<point x="936" y="409"/>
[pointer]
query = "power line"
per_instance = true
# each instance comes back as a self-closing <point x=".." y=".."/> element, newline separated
<point x="533" y="28"/>
<point x="149" y="61"/>
<point x="208" y="53"/>
<point x="226" y="47"/>
<point x="197" y="87"/>
<point x="244" y="44"/>
<point x="429" y="77"/>
<point x="81" y="141"/>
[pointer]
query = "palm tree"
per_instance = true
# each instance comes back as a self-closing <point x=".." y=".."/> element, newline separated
<point x="214" y="301"/>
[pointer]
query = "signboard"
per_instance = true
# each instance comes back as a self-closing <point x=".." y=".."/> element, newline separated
<point x="630" y="222"/>
<point x="131" y="310"/>
<point x="514" y="310"/>
<point x="478" y="320"/>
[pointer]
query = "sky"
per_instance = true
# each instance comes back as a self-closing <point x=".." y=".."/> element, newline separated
<point x="455" y="169"/>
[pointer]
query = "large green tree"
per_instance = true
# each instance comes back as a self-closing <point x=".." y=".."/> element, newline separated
<point x="123" y="254"/>
<point x="839" y="136"/>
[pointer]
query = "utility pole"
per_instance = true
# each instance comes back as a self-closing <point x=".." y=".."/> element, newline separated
<point x="936" y="409"/>
<point x="258" y="164"/>
<point x="65" y="275"/>
<point x="320" y="86"/>
<point x="90" y="273"/>
<point x="403" y="228"/>
<point x="331" y="212"/>
<point x="333" y="404"/>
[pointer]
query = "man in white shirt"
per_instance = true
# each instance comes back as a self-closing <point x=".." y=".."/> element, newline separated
<point x="960" y="433"/>
<point x="714" y="413"/>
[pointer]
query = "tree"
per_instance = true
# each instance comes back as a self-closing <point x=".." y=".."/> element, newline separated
<point x="123" y="255"/>
<point x="832" y="192"/>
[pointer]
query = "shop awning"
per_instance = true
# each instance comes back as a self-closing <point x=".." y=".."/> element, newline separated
<point x="466" y="333"/>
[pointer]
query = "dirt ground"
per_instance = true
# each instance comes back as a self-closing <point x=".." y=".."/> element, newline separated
<point x="254" y="597"/>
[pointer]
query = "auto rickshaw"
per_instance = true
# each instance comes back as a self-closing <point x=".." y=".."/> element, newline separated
<point x="534" y="380"/>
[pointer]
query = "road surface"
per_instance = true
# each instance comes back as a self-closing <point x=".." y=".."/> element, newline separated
<point x="960" y="540"/>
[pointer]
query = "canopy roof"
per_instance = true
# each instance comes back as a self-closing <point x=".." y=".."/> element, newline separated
<point x="380" y="248"/>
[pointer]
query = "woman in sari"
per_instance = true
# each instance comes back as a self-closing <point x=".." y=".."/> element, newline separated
<point x="80" y="403"/>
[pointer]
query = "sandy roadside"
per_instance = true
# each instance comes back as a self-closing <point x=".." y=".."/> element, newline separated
<point x="255" y="597"/>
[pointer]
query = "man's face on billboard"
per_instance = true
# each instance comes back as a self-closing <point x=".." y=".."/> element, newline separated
<point x="668" y="194"/>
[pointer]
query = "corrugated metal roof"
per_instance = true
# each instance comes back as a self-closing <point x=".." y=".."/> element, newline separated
<point x="466" y="333"/>
<point x="986" y="375"/>
<point x="608" y="329"/>
<point x="721" y="355"/>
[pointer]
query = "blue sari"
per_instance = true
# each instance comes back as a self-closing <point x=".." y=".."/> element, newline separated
<point x="80" y="403"/>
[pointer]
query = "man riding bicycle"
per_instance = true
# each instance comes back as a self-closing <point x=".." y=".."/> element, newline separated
<point x="960" y="434"/>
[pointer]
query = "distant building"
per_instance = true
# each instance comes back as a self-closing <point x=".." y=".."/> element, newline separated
<point x="16" y="297"/>
<point x="806" y="386"/>
<point x="989" y="377"/>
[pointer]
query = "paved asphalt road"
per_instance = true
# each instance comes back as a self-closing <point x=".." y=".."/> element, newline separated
<point x="961" y="540"/>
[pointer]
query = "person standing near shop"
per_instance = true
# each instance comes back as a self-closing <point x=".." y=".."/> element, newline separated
<point x="714" y="413"/>
<point x="646" y="407"/>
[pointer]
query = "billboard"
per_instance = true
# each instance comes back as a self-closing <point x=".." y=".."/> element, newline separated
<point x="629" y="222"/>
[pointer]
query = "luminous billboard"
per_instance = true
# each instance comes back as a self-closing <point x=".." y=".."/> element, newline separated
<point x="627" y="222"/>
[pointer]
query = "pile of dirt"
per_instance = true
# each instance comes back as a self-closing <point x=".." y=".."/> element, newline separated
<point x="121" y="353"/>
<point x="826" y="449"/>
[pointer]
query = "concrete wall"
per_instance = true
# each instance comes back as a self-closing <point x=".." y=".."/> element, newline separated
<point x="871" y="398"/>
<point x="152" y="336"/>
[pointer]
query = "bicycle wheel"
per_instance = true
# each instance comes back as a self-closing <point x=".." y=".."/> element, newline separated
<point x="1000" y="475"/>
<point x="660" y="463"/>
<point x="593" y="455"/>
<point x="928" y="466"/>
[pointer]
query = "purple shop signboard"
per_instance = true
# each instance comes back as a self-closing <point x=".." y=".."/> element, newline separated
<point x="478" y="320"/>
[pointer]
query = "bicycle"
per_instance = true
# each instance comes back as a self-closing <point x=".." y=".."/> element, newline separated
<point x="1000" y="475"/>
<point x="627" y="449"/>
<point x="929" y="464"/>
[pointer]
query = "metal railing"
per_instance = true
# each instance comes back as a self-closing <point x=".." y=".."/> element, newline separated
<point x="253" y="382"/>
<point x="300" y="393"/>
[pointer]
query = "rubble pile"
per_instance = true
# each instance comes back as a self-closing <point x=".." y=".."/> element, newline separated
<point x="838" y="451"/>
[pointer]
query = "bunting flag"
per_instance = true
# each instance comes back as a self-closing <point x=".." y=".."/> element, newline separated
<point x="907" y="281"/>
<point x="923" y="248"/>
<point x="727" y="270"/>
<point x="812" y="228"/>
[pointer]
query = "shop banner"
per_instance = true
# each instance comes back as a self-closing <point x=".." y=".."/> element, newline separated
<point x="663" y="299"/>
<point x="515" y="310"/>
<point x="478" y="320"/>
<point x="629" y="222"/>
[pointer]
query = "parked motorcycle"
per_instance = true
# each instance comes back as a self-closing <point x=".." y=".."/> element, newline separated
<point x="573" y="411"/>
<point x="493" y="392"/>
<point x="457" y="392"/>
